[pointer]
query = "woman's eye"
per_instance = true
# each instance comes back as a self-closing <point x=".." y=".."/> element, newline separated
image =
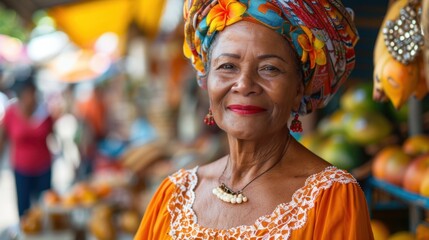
<point x="270" y="68"/>
<point x="226" y="66"/>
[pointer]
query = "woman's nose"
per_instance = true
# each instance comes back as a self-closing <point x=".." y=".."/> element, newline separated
<point x="246" y="84"/>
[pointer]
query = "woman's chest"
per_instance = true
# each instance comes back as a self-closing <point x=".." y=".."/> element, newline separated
<point x="195" y="213"/>
<point x="26" y="129"/>
<point x="263" y="200"/>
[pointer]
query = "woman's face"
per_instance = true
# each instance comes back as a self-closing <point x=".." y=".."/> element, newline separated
<point x="253" y="81"/>
<point x="28" y="97"/>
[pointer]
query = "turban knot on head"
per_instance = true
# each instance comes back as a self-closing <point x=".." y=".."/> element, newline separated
<point x="321" y="32"/>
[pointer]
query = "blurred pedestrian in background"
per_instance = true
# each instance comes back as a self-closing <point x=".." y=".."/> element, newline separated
<point x="26" y="126"/>
<point x="91" y="113"/>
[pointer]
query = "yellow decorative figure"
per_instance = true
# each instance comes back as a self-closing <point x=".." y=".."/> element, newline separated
<point x="399" y="81"/>
<point x="393" y="80"/>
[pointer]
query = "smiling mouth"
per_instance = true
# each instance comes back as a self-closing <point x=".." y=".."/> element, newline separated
<point x="246" y="109"/>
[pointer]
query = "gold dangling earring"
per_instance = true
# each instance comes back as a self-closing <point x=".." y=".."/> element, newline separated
<point x="208" y="119"/>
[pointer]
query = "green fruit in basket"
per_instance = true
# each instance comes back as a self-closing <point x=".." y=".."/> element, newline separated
<point x="333" y="124"/>
<point x="359" y="98"/>
<point x="367" y="127"/>
<point x="341" y="153"/>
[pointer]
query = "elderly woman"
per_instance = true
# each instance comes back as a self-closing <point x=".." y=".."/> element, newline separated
<point x="260" y="61"/>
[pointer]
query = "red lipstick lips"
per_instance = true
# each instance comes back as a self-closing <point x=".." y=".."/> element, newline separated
<point x="245" y="109"/>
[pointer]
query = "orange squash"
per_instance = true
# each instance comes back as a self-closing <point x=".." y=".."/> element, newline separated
<point x="379" y="230"/>
<point x="424" y="186"/>
<point x="422" y="231"/>
<point x="415" y="173"/>
<point x="390" y="165"/>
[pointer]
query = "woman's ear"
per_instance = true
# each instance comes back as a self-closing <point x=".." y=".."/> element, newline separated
<point x="202" y="81"/>
<point x="298" y="97"/>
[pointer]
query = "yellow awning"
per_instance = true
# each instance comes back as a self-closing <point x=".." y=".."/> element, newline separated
<point x="86" y="21"/>
<point x="148" y="15"/>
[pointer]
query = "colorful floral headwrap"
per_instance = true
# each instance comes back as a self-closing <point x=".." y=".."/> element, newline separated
<point x="321" y="32"/>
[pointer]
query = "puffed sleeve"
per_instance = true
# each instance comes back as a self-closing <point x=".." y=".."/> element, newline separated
<point x="341" y="212"/>
<point x="156" y="220"/>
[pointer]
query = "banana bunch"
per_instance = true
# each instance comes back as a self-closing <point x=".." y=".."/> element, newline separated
<point x="394" y="80"/>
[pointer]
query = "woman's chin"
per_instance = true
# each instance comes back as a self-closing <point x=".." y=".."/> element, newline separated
<point x="248" y="133"/>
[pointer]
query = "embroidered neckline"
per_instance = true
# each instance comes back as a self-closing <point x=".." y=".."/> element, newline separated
<point x="184" y="222"/>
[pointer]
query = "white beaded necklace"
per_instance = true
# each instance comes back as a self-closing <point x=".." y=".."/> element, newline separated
<point x="228" y="195"/>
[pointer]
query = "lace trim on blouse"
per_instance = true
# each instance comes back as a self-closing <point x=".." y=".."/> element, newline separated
<point x="277" y="225"/>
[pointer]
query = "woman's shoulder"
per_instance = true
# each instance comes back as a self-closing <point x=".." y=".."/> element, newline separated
<point x="330" y="175"/>
<point x="11" y="113"/>
<point x="182" y="180"/>
<point x="183" y="176"/>
<point x="189" y="178"/>
<point x="11" y="107"/>
<point x="330" y="183"/>
<point x="317" y="170"/>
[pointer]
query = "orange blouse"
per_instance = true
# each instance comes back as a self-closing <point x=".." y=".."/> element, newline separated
<point x="330" y="205"/>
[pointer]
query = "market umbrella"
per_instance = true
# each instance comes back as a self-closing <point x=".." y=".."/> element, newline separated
<point x="86" y="21"/>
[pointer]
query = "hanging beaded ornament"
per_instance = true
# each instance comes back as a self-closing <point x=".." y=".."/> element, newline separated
<point x="404" y="37"/>
<point x="296" y="125"/>
<point x="209" y="119"/>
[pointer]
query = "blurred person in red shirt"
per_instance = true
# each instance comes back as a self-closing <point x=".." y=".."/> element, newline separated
<point x="26" y="126"/>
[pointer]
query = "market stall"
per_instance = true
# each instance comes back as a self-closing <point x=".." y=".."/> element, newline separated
<point x="137" y="101"/>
